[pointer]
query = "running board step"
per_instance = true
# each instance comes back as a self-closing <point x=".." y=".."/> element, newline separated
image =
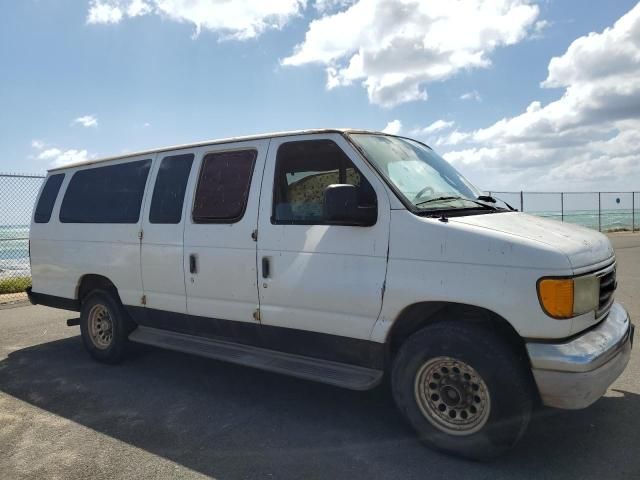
<point x="319" y="370"/>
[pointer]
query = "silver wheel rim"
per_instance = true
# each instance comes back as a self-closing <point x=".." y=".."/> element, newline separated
<point x="452" y="396"/>
<point x="100" y="326"/>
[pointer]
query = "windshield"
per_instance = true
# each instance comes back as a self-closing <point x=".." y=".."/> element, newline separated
<point x="421" y="175"/>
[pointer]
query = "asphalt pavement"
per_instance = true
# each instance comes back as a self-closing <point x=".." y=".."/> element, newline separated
<point x="168" y="415"/>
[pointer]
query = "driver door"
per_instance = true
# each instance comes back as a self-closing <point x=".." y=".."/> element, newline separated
<point x="314" y="276"/>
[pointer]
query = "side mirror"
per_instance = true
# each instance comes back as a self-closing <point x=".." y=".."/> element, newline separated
<point x="340" y="207"/>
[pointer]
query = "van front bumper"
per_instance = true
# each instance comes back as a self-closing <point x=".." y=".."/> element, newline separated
<point x="575" y="373"/>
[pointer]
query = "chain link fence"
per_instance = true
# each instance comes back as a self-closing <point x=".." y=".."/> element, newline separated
<point x="18" y="195"/>
<point x="603" y="211"/>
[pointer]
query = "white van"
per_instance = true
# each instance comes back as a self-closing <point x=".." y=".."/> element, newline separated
<point x="337" y="256"/>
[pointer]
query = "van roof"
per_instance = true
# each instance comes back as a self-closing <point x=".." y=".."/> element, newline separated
<point x="213" y="142"/>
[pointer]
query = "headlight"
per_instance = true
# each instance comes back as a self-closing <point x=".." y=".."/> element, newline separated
<point x="569" y="297"/>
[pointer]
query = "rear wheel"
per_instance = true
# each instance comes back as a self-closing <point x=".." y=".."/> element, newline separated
<point x="463" y="389"/>
<point x="105" y="326"/>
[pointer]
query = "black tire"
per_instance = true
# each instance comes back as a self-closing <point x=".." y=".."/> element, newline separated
<point x="99" y="348"/>
<point x="510" y="395"/>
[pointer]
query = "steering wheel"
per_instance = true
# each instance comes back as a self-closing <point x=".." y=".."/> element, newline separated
<point x="423" y="191"/>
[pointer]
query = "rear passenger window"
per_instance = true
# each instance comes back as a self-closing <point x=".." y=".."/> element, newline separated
<point x="48" y="198"/>
<point x="171" y="184"/>
<point x="223" y="187"/>
<point x="111" y="194"/>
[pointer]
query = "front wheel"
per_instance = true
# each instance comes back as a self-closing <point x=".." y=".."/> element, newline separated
<point x="463" y="389"/>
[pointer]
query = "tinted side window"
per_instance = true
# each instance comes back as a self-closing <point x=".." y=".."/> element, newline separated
<point x="171" y="184"/>
<point x="48" y="198"/>
<point x="223" y="187"/>
<point x="303" y="171"/>
<point x="111" y="194"/>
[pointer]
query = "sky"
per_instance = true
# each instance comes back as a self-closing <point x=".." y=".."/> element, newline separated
<point x="518" y="95"/>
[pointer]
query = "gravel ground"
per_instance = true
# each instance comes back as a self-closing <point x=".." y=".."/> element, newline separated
<point x="169" y="415"/>
<point x="11" y="298"/>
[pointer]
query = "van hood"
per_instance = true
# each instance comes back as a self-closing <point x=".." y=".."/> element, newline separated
<point x="582" y="246"/>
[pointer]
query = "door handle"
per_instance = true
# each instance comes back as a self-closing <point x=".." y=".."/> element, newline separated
<point x="193" y="266"/>
<point x="266" y="270"/>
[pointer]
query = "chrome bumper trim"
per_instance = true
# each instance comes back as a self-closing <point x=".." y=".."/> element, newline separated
<point x="574" y="374"/>
<point x="585" y="352"/>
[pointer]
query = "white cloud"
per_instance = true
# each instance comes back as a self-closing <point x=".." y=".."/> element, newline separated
<point x="49" y="153"/>
<point x="472" y="95"/>
<point x="86" y="121"/>
<point x="56" y="157"/>
<point x="393" y="127"/>
<point x="429" y="134"/>
<point x="104" y="12"/>
<point x="588" y="138"/>
<point x="238" y="19"/>
<point x="137" y="8"/>
<point x="454" y="138"/>
<point x="539" y="27"/>
<point x="324" y="6"/>
<point x="436" y="126"/>
<point x="71" y="156"/>
<point x="395" y="47"/>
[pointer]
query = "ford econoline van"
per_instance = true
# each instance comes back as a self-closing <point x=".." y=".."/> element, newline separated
<point x="339" y="256"/>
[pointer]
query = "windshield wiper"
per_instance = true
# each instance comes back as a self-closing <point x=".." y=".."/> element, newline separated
<point x="437" y="199"/>
<point x="489" y="198"/>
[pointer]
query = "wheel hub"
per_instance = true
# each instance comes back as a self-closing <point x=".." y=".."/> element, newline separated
<point x="100" y="326"/>
<point x="452" y="396"/>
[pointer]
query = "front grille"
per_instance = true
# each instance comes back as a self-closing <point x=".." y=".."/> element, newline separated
<point x="608" y="286"/>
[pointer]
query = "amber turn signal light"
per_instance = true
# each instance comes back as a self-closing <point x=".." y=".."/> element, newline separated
<point x="556" y="296"/>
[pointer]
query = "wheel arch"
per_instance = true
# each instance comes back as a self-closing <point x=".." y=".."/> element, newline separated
<point x="92" y="281"/>
<point x="419" y="315"/>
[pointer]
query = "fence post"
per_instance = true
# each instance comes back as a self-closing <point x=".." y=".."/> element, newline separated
<point x="633" y="212"/>
<point x="521" y="201"/>
<point x="599" y="214"/>
<point x="562" y="206"/>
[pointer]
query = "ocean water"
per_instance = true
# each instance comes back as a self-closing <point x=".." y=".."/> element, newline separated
<point x="610" y="220"/>
<point x="14" y="251"/>
<point x="14" y="243"/>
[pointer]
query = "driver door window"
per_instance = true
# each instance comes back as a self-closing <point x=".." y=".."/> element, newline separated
<point x="304" y="170"/>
